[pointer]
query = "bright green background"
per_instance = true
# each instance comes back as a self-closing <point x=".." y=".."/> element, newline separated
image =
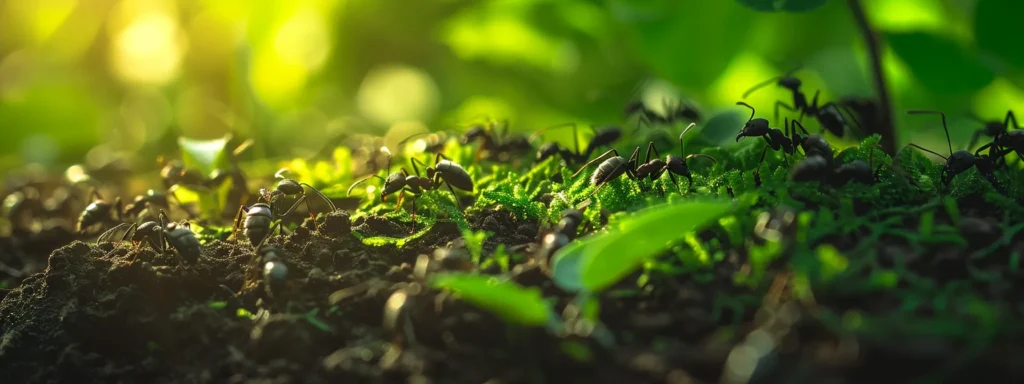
<point x="128" y="77"/>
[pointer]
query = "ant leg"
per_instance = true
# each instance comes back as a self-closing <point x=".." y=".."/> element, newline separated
<point x="785" y="106"/>
<point x="1010" y="118"/>
<point x="676" y="182"/>
<point x="650" y="147"/>
<point x="300" y="200"/>
<point x="456" y="197"/>
<point x="603" y="157"/>
<point x="270" y="233"/>
<point x="759" y="162"/>
<point x="322" y="196"/>
<point x="110" y="232"/>
<point x="398" y="204"/>
<point x="813" y="106"/>
<point x="974" y="139"/>
<point x="234" y="228"/>
<point x="634" y="158"/>
<point x="414" y="215"/>
<point x="415" y="162"/>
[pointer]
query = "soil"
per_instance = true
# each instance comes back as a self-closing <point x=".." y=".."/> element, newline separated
<point x="106" y="313"/>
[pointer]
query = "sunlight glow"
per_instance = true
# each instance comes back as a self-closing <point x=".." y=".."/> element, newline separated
<point x="991" y="102"/>
<point x="507" y="39"/>
<point x="39" y="19"/>
<point x="904" y="15"/>
<point x="398" y="92"/>
<point x="743" y="72"/>
<point x="149" y="49"/>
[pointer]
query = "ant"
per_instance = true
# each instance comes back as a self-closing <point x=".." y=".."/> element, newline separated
<point x="291" y="187"/>
<point x="100" y="212"/>
<point x="603" y="136"/>
<point x="828" y="114"/>
<point x="177" y="236"/>
<point x="816" y="167"/>
<point x="961" y="160"/>
<point x="275" y="272"/>
<point x="444" y="172"/>
<point x="258" y="220"/>
<point x="646" y="116"/>
<point x="775" y="138"/>
<point x="434" y="144"/>
<point x="993" y="128"/>
<point x="555" y="240"/>
<point x="1012" y="141"/>
<point x="500" y="146"/>
<point x="614" y="166"/>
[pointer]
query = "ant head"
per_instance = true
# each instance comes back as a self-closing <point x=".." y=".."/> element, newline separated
<point x="394" y="183"/>
<point x="548" y="150"/>
<point x="789" y="82"/>
<point x="473" y="133"/>
<point x="677" y="165"/>
<point x="289" y="187"/>
<point x="994" y="128"/>
<point x="634" y="107"/>
<point x="754" y="128"/>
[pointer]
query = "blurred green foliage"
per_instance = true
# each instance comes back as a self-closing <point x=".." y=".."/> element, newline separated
<point x="90" y="81"/>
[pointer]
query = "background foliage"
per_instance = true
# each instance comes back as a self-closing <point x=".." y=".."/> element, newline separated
<point x="100" y="79"/>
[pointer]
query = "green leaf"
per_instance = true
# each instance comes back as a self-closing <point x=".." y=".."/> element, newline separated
<point x="783" y="5"/>
<point x="205" y="155"/>
<point x="667" y="40"/>
<point x="996" y="29"/>
<point x="507" y="300"/>
<point x="940" y="64"/>
<point x="601" y="259"/>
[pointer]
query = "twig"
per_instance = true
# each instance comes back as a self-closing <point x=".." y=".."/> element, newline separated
<point x="885" y="127"/>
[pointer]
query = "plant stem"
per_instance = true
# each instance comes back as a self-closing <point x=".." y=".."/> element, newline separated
<point x="886" y="126"/>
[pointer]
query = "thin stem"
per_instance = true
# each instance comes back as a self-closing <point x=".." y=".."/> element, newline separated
<point x="886" y="126"/>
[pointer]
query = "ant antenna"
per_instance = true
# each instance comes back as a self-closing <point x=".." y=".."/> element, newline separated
<point x="769" y="81"/>
<point x="412" y="136"/>
<point x="748" y="106"/>
<point x="639" y="87"/>
<point x="280" y="173"/>
<point x="927" y="150"/>
<point x="688" y="127"/>
<point x="575" y="139"/>
<point x="241" y="148"/>
<point x="943" y="115"/>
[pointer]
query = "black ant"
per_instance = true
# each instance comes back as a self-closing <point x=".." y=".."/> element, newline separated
<point x="500" y="146"/>
<point x="444" y="172"/>
<point x="614" y="166"/>
<point x="433" y="144"/>
<point x="681" y="111"/>
<point x="555" y="240"/>
<point x="993" y="128"/>
<point x="291" y="187"/>
<point x="816" y="167"/>
<point x="275" y="272"/>
<point x="811" y="144"/>
<point x="259" y="218"/>
<point x="603" y="136"/>
<point x="961" y="160"/>
<point x="775" y="138"/>
<point x="828" y="114"/>
<point x="100" y="212"/>
<point x="1012" y="141"/>
<point x="178" y="236"/>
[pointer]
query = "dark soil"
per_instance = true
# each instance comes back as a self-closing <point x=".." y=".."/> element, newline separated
<point x="118" y="314"/>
